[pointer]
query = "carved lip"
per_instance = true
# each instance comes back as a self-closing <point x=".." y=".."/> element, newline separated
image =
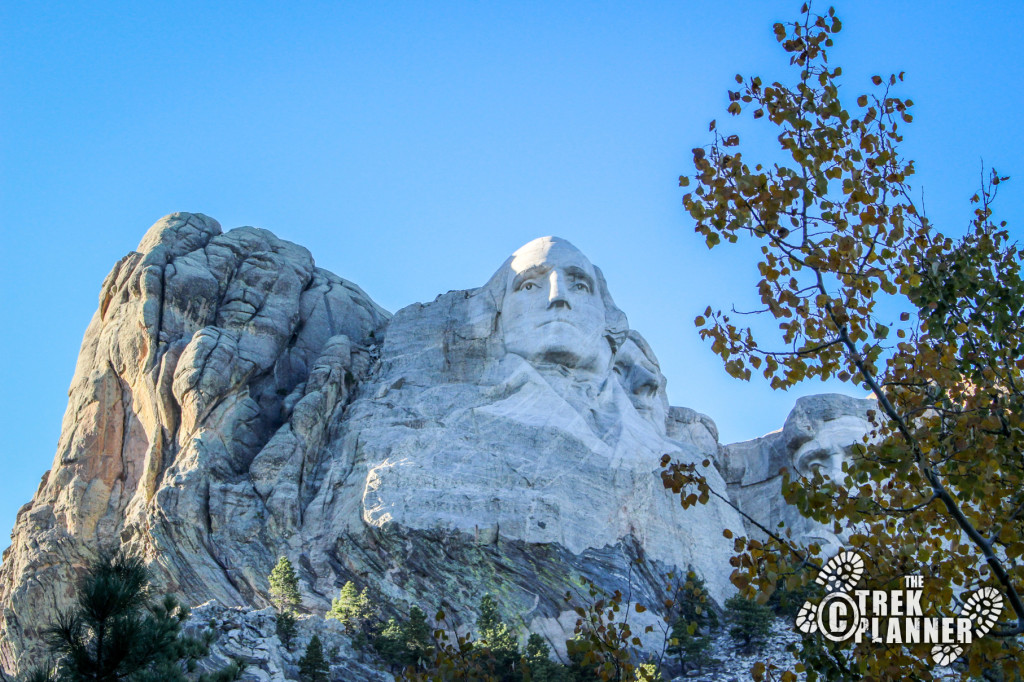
<point x="558" y="319"/>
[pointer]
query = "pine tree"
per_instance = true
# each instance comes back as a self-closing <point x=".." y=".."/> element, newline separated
<point x="537" y="660"/>
<point x="284" y="586"/>
<point x="497" y="639"/>
<point x="750" y="622"/>
<point x="284" y="594"/>
<point x="693" y="603"/>
<point x="689" y="640"/>
<point x="407" y="643"/>
<point x="390" y="644"/>
<point x="489" y="619"/>
<point x="416" y="637"/>
<point x="351" y="608"/>
<point x="689" y="645"/>
<point x="313" y="666"/>
<point x="116" y="632"/>
<point x="286" y="628"/>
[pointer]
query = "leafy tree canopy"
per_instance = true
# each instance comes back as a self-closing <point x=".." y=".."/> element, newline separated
<point x="864" y="288"/>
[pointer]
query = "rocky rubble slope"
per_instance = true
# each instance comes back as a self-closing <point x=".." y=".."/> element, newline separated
<point x="248" y="637"/>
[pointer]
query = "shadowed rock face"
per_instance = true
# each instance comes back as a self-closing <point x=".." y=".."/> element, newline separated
<point x="232" y="403"/>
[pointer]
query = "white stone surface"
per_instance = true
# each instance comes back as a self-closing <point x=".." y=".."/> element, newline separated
<point x="504" y="408"/>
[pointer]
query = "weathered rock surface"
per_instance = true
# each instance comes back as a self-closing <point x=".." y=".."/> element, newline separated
<point x="207" y="350"/>
<point x="233" y="402"/>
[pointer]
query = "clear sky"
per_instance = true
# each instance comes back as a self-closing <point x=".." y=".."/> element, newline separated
<point x="413" y="146"/>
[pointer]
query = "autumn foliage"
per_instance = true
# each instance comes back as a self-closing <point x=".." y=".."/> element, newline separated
<point x="864" y="288"/>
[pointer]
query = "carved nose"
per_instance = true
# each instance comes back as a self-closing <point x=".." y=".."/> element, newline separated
<point x="556" y="297"/>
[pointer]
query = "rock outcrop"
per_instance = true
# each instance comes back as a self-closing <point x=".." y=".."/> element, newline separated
<point x="233" y="402"/>
<point x="207" y="350"/>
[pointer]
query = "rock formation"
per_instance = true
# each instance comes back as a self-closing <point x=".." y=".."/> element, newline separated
<point x="206" y="350"/>
<point x="232" y="403"/>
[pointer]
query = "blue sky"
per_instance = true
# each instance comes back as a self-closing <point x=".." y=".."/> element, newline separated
<point x="413" y="146"/>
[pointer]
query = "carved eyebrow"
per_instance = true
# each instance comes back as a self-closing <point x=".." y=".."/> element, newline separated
<point x="532" y="272"/>
<point x="579" y="274"/>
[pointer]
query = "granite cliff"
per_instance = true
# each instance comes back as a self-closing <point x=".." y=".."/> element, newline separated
<point x="233" y="403"/>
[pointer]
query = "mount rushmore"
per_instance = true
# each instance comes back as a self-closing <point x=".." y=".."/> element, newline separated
<point x="232" y="403"/>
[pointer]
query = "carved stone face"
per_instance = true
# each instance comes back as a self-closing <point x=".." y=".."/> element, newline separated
<point x="830" y="446"/>
<point x="640" y="375"/>
<point x="552" y="312"/>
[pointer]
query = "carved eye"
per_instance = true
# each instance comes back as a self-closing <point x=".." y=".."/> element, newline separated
<point x="527" y="286"/>
<point x="646" y="390"/>
<point x="818" y="460"/>
<point x="581" y="286"/>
